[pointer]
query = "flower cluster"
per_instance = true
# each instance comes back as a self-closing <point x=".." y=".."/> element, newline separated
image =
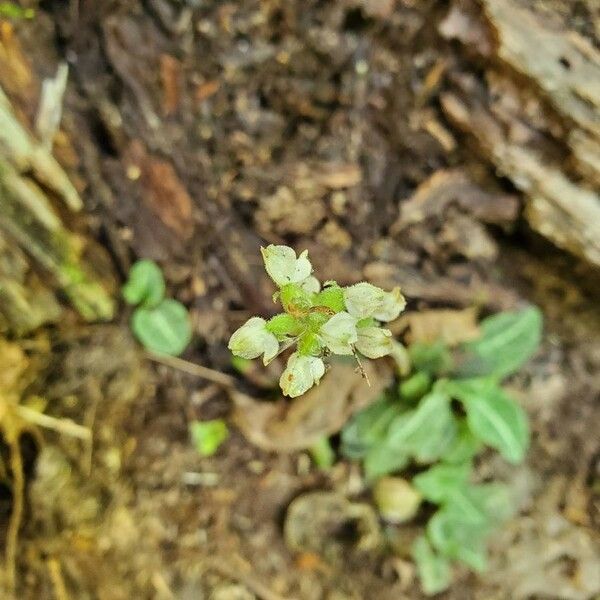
<point x="319" y="320"/>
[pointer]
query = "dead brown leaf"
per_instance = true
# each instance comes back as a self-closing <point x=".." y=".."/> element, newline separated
<point x="464" y="235"/>
<point x="378" y="9"/>
<point x="291" y="210"/>
<point x="206" y="90"/>
<point x="447" y="187"/>
<point x="16" y="75"/>
<point x="165" y="194"/>
<point x="297" y="425"/>
<point x="170" y="76"/>
<point x="450" y="326"/>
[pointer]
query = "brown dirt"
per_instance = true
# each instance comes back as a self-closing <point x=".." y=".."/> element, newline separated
<point x="200" y="130"/>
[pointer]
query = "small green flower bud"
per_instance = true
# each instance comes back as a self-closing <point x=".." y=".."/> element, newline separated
<point x="294" y="299"/>
<point x="283" y="326"/>
<point x="309" y="344"/>
<point x="331" y="297"/>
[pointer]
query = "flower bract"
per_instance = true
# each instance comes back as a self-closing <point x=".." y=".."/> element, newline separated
<point x="316" y="321"/>
<point x="283" y="267"/>
<point x="253" y="339"/>
<point x="301" y="373"/>
<point x="339" y="333"/>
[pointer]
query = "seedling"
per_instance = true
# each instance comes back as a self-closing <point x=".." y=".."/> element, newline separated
<point x="207" y="436"/>
<point x="162" y="325"/>
<point x="450" y="408"/>
<point x="14" y="11"/>
<point x="317" y="321"/>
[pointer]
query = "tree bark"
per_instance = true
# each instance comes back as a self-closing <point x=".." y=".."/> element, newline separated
<point x="535" y="115"/>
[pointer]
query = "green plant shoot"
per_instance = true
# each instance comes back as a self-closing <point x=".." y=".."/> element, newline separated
<point x="449" y="408"/>
<point x="316" y="320"/>
<point x="162" y="325"/>
<point x="207" y="436"/>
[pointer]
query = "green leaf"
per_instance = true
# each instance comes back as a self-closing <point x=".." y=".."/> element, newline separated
<point x="508" y="341"/>
<point x="331" y="297"/>
<point x="484" y="506"/>
<point x="434" y="570"/>
<point x="493" y="416"/>
<point x="383" y="459"/>
<point x="455" y="538"/>
<point x="284" y="325"/>
<point x="434" y="359"/>
<point x="323" y="454"/>
<point x="494" y="499"/>
<point x="368" y="428"/>
<point x="460" y="528"/>
<point x="427" y="431"/>
<point x="146" y="284"/>
<point x="439" y="483"/>
<point x="164" y="329"/>
<point x="464" y="447"/>
<point x="207" y="436"/>
<point x="415" y="387"/>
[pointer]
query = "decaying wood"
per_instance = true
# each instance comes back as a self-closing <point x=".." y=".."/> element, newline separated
<point x="453" y="187"/>
<point x="536" y="115"/>
<point x="26" y="155"/>
<point x="29" y="177"/>
<point x="25" y="302"/>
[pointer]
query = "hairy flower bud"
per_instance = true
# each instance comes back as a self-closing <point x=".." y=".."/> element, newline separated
<point x="253" y="339"/>
<point x="301" y="373"/>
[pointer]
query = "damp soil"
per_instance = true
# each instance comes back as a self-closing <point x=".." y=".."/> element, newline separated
<point x="198" y="131"/>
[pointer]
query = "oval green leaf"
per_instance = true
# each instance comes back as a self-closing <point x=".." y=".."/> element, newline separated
<point x="455" y="538"/>
<point x="164" y="329"/>
<point x="368" y="428"/>
<point x="427" y="431"/>
<point x="434" y="570"/>
<point x="493" y="416"/>
<point x="465" y="445"/>
<point x="438" y="483"/>
<point x="508" y="341"/>
<point x="207" y="436"/>
<point x="145" y="285"/>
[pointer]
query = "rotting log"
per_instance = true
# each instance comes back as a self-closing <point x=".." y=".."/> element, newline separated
<point x="535" y="115"/>
<point x="25" y="302"/>
<point x="30" y="181"/>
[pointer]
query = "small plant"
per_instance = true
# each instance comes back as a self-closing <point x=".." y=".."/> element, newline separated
<point x="207" y="436"/>
<point x="14" y="11"/>
<point x="317" y="320"/>
<point x="444" y="415"/>
<point x="162" y="325"/>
